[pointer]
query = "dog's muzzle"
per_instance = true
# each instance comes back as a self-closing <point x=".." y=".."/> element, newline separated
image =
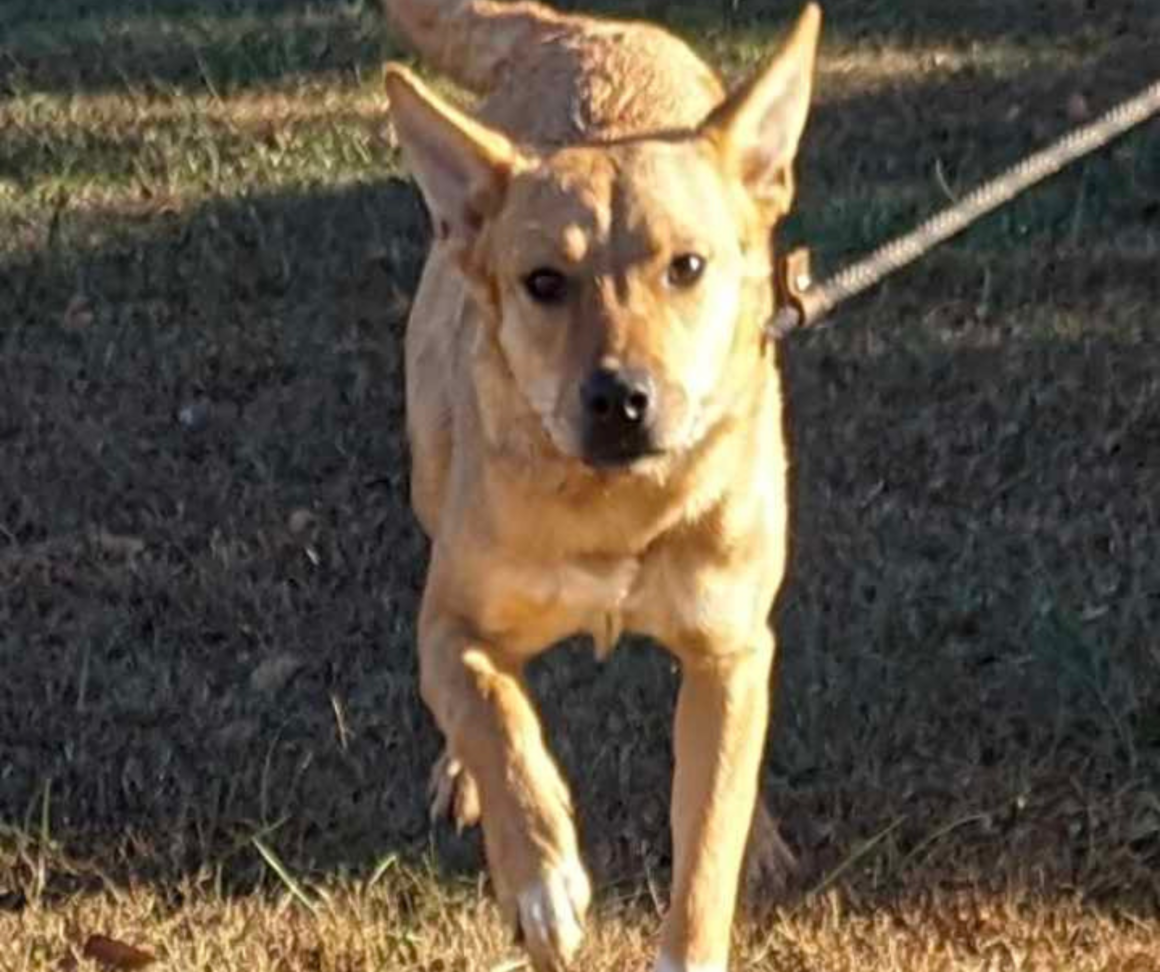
<point x="618" y="408"/>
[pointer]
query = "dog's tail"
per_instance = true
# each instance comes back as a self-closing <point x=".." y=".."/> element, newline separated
<point x="472" y="41"/>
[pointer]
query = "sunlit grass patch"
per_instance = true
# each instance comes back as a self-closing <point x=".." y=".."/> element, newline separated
<point x="407" y="920"/>
<point x="105" y="148"/>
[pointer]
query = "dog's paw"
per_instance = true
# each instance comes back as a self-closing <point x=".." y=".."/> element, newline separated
<point x="453" y="793"/>
<point x="551" y="914"/>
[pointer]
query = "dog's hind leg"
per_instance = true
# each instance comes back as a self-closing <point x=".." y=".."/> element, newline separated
<point x="481" y="703"/>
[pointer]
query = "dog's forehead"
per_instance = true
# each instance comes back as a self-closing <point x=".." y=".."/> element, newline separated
<point x="588" y="198"/>
<point x="564" y="197"/>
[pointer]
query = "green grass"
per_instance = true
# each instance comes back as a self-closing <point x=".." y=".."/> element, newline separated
<point x="209" y="573"/>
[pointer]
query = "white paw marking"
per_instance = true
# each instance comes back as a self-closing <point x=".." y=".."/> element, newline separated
<point x="552" y="912"/>
<point x="666" y="964"/>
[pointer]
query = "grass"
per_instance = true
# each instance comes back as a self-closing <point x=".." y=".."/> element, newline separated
<point x="211" y="744"/>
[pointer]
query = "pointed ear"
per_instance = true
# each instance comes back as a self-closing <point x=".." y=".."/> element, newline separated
<point x="758" y="127"/>
<point x="462" y="166"/>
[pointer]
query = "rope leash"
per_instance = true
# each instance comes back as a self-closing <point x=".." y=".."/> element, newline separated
<point x="802" y="303"/>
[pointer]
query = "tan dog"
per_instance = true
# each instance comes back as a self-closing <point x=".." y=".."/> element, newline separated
<point x="596" y="421"/>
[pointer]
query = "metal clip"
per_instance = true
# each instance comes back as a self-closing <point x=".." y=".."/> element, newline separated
<point x="794" y="279"/>
<point x="791" y="281"/>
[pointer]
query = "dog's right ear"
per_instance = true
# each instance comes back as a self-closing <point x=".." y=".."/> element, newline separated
<point x="463" y="167"/>
<point x="757" y="128"/>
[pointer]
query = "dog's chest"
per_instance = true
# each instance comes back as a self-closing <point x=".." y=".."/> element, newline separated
<point x="542" y="604"/>
<point x="530" y="605"/>
<point x="599" y="591"/>
<point x="611" y="597"/>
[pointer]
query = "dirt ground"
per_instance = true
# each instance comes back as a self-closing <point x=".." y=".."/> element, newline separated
<point x="211" y="743"/>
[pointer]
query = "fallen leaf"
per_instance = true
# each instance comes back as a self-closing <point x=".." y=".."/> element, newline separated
<point x="273" y="674"/>
<point x="238" y="732"/>
<point x="194" y="416"/>
<point x="115" y="954"/>
<point x="78" y="315"/>
<point x="118" y="544"/>
<point x="300" y="520"/>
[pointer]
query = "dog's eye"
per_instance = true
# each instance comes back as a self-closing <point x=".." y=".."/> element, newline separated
<point x="686" y="269"/>
<point x="546" y="286"/>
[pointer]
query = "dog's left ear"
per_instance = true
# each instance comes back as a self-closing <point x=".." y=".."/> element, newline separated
<point x="757" y="128"/>
<point x="463" y="167"/>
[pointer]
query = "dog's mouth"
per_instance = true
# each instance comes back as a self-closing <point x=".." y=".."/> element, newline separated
<point x="620" y="453"/>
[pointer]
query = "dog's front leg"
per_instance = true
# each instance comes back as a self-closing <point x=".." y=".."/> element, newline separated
<point x="480" y="702"/>
<point x="722" y="712"/>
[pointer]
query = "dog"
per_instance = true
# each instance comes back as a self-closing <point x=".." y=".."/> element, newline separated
<point x="595" y="422"/>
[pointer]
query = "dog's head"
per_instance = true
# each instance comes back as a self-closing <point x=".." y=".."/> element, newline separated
<point x="626" y="282"/>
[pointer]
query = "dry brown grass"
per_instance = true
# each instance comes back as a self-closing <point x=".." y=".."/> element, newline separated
<point x="208" y="572"/>
<point x="411" y="921"/>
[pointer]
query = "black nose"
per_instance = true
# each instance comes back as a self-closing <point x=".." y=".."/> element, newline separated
<point x="617" y="400"/>
<point x="619" y="407"/>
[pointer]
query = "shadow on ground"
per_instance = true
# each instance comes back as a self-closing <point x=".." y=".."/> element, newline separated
<point x="219" y="46"/>
<point x="209" y="575"/>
